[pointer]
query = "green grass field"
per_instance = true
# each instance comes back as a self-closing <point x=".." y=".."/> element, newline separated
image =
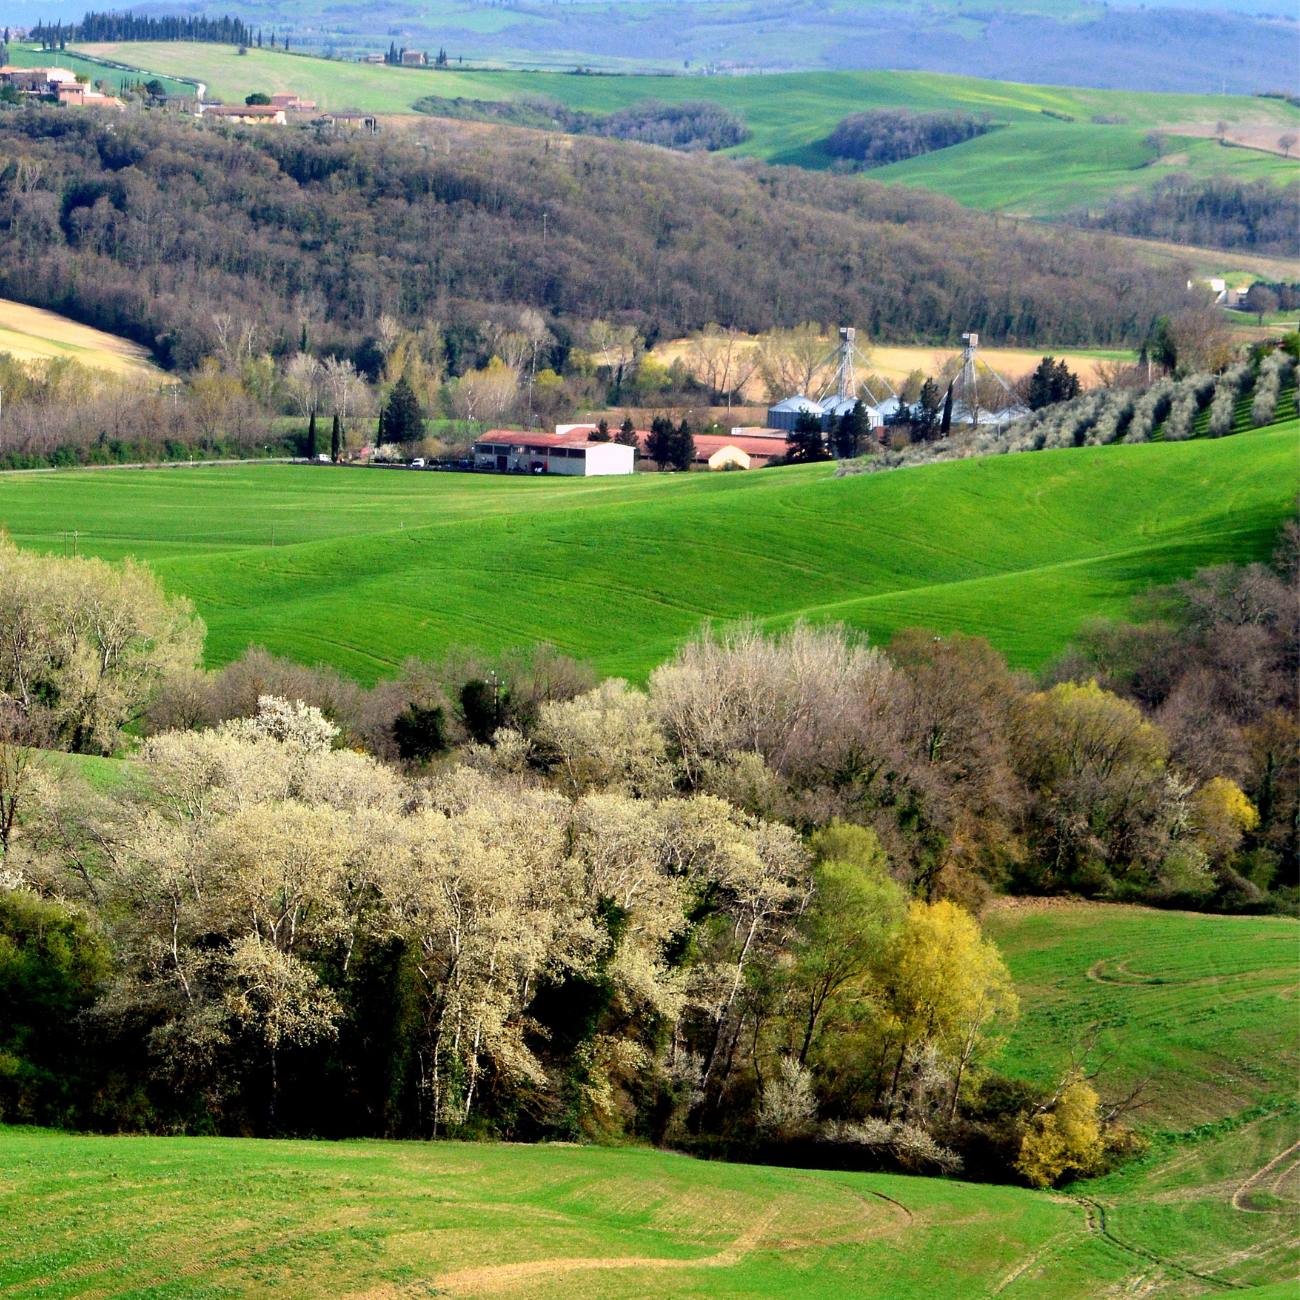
<point x="1037" y="165"/>
<point x="362" y="568"/>
<point x="1204" y="1007"/>
<point x="1205" y="1210"/>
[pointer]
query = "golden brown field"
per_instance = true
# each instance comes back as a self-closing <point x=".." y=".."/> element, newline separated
<point x="33" y="334"/>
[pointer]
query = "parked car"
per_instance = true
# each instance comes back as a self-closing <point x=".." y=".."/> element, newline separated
<point x="418" y="463"/>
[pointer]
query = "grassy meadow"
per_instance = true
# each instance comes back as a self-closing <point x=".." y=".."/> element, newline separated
<point x="1207" y="1208"/>
<point x="362" y="568"/>
<point x="1039" y="164"/>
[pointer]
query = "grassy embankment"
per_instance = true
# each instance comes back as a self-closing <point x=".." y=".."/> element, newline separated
<point x="361" y="568"/>
<point x="33" y="334"/>
<point x="1037" y="165"/>
<point x="1189" y="997"/>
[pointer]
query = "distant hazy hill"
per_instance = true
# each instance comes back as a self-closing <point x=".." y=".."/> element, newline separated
<point x="1197" y="47"/>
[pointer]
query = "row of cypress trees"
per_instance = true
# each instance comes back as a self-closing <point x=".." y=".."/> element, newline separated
<point x="135" y="27"/>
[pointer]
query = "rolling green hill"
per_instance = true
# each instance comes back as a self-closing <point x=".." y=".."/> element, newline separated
<point x="1209" y="1209"/>
<point x="361" y="568"/>
<point x="1037" y="164"/>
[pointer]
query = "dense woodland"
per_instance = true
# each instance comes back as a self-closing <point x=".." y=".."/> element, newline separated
<point x="150" y="228"/>
<point x="884" y="135"/>
<point x="1258" y="216"/>
<point x="735" y="912"/>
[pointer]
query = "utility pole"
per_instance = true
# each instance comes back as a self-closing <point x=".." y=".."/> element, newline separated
<point x="496" y="696"/>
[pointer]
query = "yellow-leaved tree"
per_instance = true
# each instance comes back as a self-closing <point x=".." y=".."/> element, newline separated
<point x="943" y="989"/>
<point x="1220" y="815"/>
<point x="1068" y="1137"/>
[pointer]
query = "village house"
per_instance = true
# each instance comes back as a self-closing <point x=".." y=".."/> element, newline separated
<point x="58" y="83"/>
<point x="290" y="102"/>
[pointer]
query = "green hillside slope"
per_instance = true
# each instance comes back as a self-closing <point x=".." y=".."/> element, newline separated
<point x="1204" y="1210"/>
<point x="1198" y="1008"/>
<point x="1037" y="164"/>
<point x="192" y="1218"/>
<point x="361" y="568"/>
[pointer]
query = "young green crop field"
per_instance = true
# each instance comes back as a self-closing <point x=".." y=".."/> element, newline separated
<point x="1035" y="165"/>
<point x="362" y="568"/>
<point x="1204" y="1210"/>
<point x="1200" y="1008"/>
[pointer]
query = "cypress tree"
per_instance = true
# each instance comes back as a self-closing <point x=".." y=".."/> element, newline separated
<point x="336" y="439"/>
<point x="311" y="435"/>
<point x="402" y="419"/>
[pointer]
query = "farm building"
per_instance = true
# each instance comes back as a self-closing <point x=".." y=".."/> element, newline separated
<point x="507" y="450"/>
<point x="748" y="448"/>
<point x="257" y="114"/>
<point x="784" y="415"/>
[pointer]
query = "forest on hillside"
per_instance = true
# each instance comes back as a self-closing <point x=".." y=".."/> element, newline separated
<point x="151" y="228"/>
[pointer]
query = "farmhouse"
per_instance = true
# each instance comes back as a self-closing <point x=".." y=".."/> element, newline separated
<point x="290" y="102"/>
<point x="505" y="450"/>
<point x="84" y="97"/>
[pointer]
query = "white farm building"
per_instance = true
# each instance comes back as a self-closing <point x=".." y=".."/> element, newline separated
<point x="507" y="450"/>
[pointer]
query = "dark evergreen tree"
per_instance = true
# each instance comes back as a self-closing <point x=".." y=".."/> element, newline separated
<point x="851" y="432"/>
<point x="1052" y="382"/>
<point x="420" y="733"/>
<point x="804" y="442"/>
<point x="600" y="433"/>
<point x="659" y="441"/>
<point x="402" y="419"/>
<point x="336" y="439"/>
<point x="1163" y="348"/>
<point x="311" y="436"/>
<point x="627" y="435"/>
<point x="482" y="706"/>
<point x="945" y="424"/>
<point x="928" y="411"/>
<point x="682" y="452"/>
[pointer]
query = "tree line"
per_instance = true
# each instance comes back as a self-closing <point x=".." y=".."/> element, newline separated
<point x="1215" y="212"/>
<point x="136" y="27"/>
<point x="735" y="911"/>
